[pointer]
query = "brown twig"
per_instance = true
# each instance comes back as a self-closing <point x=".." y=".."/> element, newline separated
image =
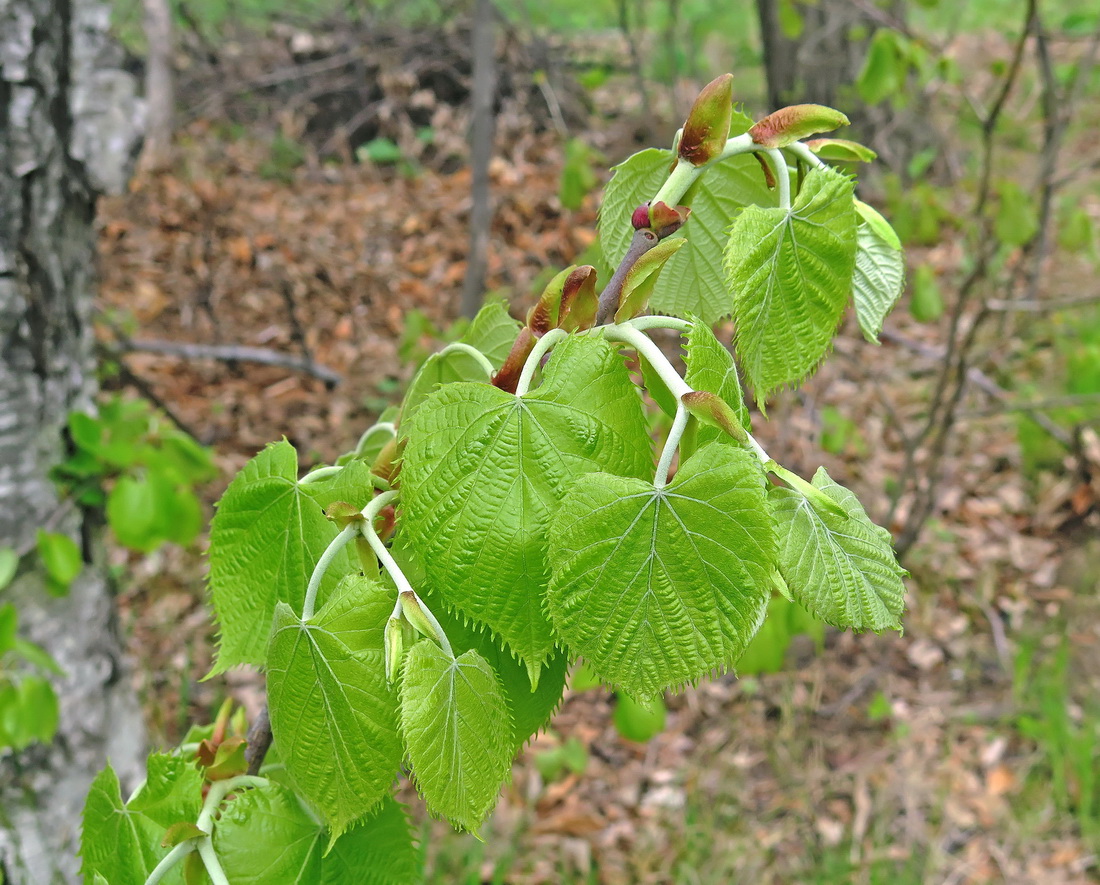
<point x="259" y="741"/>
<point x="230" y="354"/>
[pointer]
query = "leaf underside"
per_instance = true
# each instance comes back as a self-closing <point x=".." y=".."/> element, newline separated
<point x="841" y="570"/>
<point x="878" y="280"/>
<point x="333" y="716"/>
<point x="458" y="734"/>
<point x="710" y="367"/>
<point x="791" y="274"/>
<point x="657" y="587"/>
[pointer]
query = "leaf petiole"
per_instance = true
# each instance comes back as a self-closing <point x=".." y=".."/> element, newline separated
<point x="672" y="443"/>
<point x="469" y="350"/>
<point x="331" y="552"/>
<point x="535" y="357"/>
<point x="809" y="491"/>
<point x="169" y="860"/>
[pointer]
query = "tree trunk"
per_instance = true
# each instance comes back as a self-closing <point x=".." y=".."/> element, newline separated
<point x="160" y="93"/>
<point x="822" y="64"/>
<point x="68" y="124"/>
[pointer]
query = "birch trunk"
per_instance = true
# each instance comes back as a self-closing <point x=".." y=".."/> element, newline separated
<point x="68" y="124"/>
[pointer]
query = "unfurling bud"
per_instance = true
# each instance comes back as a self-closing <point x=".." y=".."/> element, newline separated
<point x="665" y="220"/>
<point x="788" y="125"/>
<point x="841" y="149"/>
<point x="343" y="514"/>
<point x="713" y="410"/>
<point x="579" y="300"/>
<point x="508" y="376"/>
<point x="395" y="647"/>
<point x="417" y="614"/>
<point x="708" y="124"/>
<point x="544" y="315"/>
<point x="642" y="277"/>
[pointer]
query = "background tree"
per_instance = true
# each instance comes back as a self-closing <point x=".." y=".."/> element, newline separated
<point x="68" y="120"/>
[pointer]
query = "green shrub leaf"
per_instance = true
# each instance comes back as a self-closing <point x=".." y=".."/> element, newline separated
<point x="457" y="732"/>
<point x="265" y="539"/>
<point x="116" y="842"/>
<point x="656" y="587"/>
<point x="172" y="791"/>
<point x="333" y="715"/>
<point x="265" y="836"/>
<point x="879" y="276"/>
<point x="484" y="470"/>
<point x="841" y="570"/>
<point x="791" y="275"/>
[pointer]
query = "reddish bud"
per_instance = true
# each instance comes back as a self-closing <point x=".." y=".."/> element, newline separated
<point x="545" y="314"/>
<point x="666" y="220"/>
<point x="640" y="218"/>
<point x="769" y="175"/>
<point x="579" y="300"/>
<point x="508" y="376"/>
<point x="708" y="124"/>
<point x="788" y="125"/>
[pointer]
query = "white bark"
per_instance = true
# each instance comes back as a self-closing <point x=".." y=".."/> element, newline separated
<point x="67" y="127"/>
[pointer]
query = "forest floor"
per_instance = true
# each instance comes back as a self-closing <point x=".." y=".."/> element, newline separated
<point x="959" y="752"/>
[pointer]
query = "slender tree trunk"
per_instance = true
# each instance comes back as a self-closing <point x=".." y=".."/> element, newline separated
<point x="481" y="151"/>
<point x="160" y="94"/>
<point x="68" y="122"/>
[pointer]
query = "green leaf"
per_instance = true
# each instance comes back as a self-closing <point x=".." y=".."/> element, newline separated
<point x="377" y="851"/>
<point x="883" y="72"/>
<point x="1017" y="220"/>
<point x="352" y="485"/>
<point x="134" y="510"/>
<point x="9" y="621"/>
<point x="879" y="276"/>
<point x="791" y="275"/>
<point x="118" y="843"/>
<point x="266" y="537"/>
<point x="530" y="709"/>
<point x="636" y="721"/>
<point x="638" y="287"/>
<point x="842" y="570"/>
<point x="926" y="300"/>
<point x="172" y="791"/>
<point x="457" y="732"/>
<point x="710" y="367"/>
<point x="333" y="715"/>
<point x="768" y="650"/>
<point x="657" y="587"/>
<point x="38" y="711"/>
<point x="9" y="563"/>
<point x="61" y="559"/>
<point x="692" y="281"/>
<point x="483" y="472"/>
<point x="266" y="837"/>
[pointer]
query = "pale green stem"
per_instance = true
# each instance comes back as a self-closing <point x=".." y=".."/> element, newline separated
<point x="660" y="479"/>
<point x="739" y="144"/>
<point x="393" y="569"/>
<point x="682" y="177"/>
<point x="782" y="177"/>
<point x="217" y="793"/>
<point x="537" y="353"/>
<point x="381" y="427"/>
<point x="331" y="552"/>
<point x="804" y="153"/>
<point x="462" y="347"/>
<point x="210" y="861"/>
<point x="808" y="490"/>
<point x="169" y="860"/>
<point x="656" y="321"/>
<point x="659" y="362"/>
<point x="319" y="474"/>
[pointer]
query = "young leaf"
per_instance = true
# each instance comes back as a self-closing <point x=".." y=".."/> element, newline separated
<point x="117" y="843"/>
<point x="444" y="367"/>
<point x="656" y="587"/>
<point x="841" y="570"/>
<point x="692" y="282"/>
<point x="9" y="621"/>
<point x="9" y="563"/>
<point x="710" y="367"/>
<point x="172" y="791"/>
<point x="883" y="71"/>
<point x="879" y="276"/>
<point x="1017" y="220"/>
<point x="333" y="715"/>
<point x="61" y="559"/>
<point x="265" y="539"/>
<point x="484" y="470"/>
<point x="926" y="300"/>
<point x="457" y="732"/>
<point x="790" y="124"/>
<point x="643" y="276"/>
<point x="791" y="274"/>
<point x="264" y="836"/>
